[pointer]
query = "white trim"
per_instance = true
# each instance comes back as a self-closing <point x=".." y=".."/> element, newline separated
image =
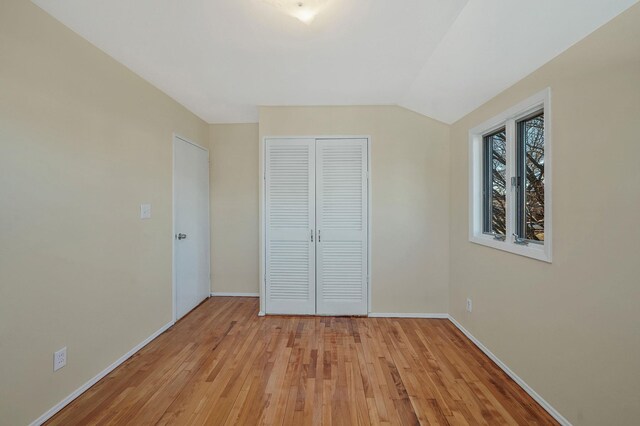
<point x="406" y="315"/>
<point x="76" y="393"/>
<point x="189" y="141"/>
<point x="528" y="389"/>
<point x="174" y="291"/>
<point x="507" y="119"/>
<point x="262" y="237"/>
<point x="227" y="294"/>
<point x="548" y="407"/>
<point x="262" y="232"/>
<point x="369" y="225"/>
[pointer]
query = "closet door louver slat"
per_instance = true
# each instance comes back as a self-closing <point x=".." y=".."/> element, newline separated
<point x="341" y="199"/>
<point x="290" y="222"/>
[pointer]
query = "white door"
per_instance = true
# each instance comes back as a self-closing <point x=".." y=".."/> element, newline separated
<point x="191" y="225"/>
<point x="290" y="226"/>
<point x="342" y="230"/>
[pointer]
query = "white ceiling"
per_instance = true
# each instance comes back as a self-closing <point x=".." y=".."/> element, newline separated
<point x="442" y="58"/>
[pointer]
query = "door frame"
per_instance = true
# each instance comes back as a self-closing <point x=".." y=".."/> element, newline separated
<point x="262" y="181"/>
<point x="174" y="290"/>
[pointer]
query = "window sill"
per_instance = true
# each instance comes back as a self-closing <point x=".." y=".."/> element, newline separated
<point x="534" y="251"/>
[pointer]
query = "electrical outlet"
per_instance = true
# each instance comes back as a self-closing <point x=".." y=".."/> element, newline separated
<point x="60" y="359"/>
<point x="469" y="305"/>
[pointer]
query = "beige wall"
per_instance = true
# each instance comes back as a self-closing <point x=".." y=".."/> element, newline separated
<point x="410" y="196"/>
<point x="570" y="329"/>
<point x="83" y="141"/>
<point x="234" y="208"/>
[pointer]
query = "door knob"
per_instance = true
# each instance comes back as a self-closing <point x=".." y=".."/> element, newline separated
<point x="182" y="236"/>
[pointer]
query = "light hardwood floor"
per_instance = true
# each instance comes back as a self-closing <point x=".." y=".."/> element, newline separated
<point x="222" y="364"/>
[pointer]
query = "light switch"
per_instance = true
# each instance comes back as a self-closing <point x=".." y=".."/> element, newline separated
<point x="145" y="211"/>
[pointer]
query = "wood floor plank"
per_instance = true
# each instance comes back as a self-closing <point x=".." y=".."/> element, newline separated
<point x="224" y="365"/>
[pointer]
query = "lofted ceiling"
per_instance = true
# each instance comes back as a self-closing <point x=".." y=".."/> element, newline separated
<point x="223" y="58"/>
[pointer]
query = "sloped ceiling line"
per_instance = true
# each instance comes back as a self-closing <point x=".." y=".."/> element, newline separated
<point x="442" y="58"/>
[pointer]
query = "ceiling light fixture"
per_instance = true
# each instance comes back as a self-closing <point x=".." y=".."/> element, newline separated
<point x="303" y="10"/>
<point x="304" y="13"/>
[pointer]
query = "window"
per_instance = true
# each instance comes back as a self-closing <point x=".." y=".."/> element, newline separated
<point x="495" y="183"/>
<point x="530" y="178"/>
<point x="510" y="190"/>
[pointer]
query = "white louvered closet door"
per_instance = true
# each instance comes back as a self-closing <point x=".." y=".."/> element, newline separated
<point x="290" y="226"/>
<point x="342" y="231"/>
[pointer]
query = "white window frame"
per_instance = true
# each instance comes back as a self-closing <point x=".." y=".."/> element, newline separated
<point x="508" y="119"/>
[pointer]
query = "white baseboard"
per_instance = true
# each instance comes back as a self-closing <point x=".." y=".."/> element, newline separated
<point x="406" y="315"/>
<point x="554" y="413"/>
<point x="221" y="293"/>
<point x="76" y="393"/>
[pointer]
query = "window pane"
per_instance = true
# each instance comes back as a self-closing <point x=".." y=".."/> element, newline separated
<point x="531" y="143"/>
<point x="495" y="193"/>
